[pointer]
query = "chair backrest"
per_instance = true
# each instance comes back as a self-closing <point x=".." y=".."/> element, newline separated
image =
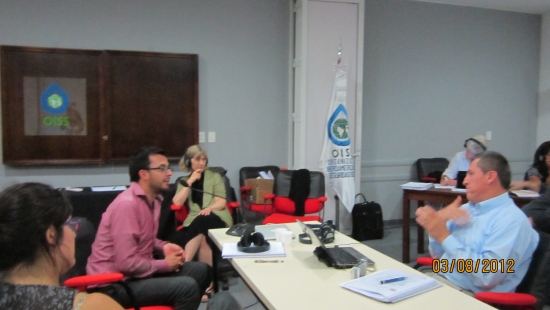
<point x="425" y="166"/>
<point x="536" y="281"/>
<point x="281" y="189"/>
<point x="254" y="172"/>
<point x="281" y="186"/>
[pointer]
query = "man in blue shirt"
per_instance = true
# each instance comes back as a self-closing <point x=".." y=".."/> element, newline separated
<point x="487" y="243"/>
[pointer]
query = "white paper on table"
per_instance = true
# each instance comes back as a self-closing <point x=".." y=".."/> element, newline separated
<point x="418" y="186"/>
<point x="444" y="186"/>
<point x="459" y="190"/>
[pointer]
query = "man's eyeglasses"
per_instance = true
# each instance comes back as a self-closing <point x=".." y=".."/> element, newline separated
<point x="162" y="168"/>
<point x="73" y="224"/>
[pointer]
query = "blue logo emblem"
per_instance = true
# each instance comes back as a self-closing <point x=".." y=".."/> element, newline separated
<point x="54" y="100"/>
<point x="338" y="128"/>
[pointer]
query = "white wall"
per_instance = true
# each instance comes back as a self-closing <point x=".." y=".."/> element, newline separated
<point x="243" y="68"/>
<point x="543" y="118"/>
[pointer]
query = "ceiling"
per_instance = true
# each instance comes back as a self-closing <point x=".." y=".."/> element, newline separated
<point x="524" y="6"/>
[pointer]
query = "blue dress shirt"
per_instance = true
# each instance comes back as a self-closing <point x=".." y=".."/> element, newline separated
<point x="497" y="231"/>
<point x="458" y="163"/>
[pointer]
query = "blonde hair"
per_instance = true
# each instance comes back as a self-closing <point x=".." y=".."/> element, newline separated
<point x="192" y="152"/>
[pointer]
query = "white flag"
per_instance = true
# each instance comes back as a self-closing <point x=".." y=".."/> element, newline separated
<point x="336" y="158"/>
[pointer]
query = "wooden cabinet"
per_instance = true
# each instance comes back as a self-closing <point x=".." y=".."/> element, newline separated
<point x="67" y="106"/>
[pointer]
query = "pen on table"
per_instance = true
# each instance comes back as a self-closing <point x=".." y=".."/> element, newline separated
<point x="268" y="261"/>
<point x="393" y="280"/>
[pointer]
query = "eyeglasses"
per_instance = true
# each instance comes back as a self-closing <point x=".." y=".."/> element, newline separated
<point x="73" y="224"/>
<point x="162" y="168"/>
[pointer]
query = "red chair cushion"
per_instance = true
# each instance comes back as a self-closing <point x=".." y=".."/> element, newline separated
<point x="260" y="208"/>
<point x="279" y="218"/>
<point x="428" y="179"/>
<point x="516" y="299"/>
<point x="93" y="279"/>
<point x="286" y="205"/>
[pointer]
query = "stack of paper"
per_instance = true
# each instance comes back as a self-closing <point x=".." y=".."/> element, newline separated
<point x="526" y="193"/>
<point x="373" y="285"/>
<point x="230" y="250"/>
<point x="417" y="186"/>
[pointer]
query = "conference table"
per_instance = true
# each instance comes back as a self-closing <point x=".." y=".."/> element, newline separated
<point x="301" y="281"/>
<point x="432" y="195"/>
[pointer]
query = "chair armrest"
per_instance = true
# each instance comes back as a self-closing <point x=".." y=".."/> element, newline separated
<point x="233" y="205"/>
<point x="175" y="207"/>
<point x="95" y="279"/>
<point x="322" y="199"/>
<point x="424" y="261"/>
<point x="516" y="299"/>
<point x="245" y="188"/>
<point x="269" y="196"/>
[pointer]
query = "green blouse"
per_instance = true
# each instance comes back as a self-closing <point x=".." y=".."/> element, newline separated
<point x="213" y="183"/>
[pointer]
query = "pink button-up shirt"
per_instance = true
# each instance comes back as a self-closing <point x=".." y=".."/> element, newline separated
<point x="126" y="237"/>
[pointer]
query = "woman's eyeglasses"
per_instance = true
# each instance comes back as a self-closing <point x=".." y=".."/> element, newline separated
<point x="73" y="224"/>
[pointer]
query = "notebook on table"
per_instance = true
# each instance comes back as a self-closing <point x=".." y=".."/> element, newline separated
<point x="337" y="256"/>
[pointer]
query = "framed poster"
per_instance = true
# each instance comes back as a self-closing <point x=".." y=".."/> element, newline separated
<point x="67" y="106"/>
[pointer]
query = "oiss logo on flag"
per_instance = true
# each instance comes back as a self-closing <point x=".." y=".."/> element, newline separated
<point x="336" y="159"/>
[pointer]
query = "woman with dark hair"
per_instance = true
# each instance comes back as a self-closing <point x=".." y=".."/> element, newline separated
<point x="536" y="177"/>
<point x="37" y="242"/>
<point x="205" y="210"/>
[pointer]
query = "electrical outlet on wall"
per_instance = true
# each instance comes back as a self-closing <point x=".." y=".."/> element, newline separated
<point x="488" y="135"/>
<point x="202" y="138"/>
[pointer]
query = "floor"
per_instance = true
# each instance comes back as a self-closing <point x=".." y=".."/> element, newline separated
<point x="389" y="245"/>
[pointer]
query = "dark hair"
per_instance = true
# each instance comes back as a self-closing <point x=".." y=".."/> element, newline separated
<point x="494" y="161"/>
<point x="27" y="210"/>
<point x="539" y="161"/>
<point x="140" y="160"/>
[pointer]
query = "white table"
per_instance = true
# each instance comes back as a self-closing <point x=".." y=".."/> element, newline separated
<point x="302" y="282"/>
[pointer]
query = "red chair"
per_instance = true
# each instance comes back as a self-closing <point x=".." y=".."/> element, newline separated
<point x="81" y="283"/>
<point x="531" y="293"/>
<point x="76" y="278"/>
<point x="252" y="173"/>
<point x="284" y="207"/>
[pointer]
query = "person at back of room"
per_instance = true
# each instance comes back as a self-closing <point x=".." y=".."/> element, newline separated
<point x="37" y="246"/>
<point x="461" y="160"/>
<point x="536" y="177"/>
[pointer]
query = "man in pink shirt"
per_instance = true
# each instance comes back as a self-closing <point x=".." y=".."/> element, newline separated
<point x="126" y="241"/>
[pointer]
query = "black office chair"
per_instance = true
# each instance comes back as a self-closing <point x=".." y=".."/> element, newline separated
<point x="429" y="170"/>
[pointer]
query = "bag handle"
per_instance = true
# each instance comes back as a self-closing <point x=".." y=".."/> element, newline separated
<point x="364" y="199"/>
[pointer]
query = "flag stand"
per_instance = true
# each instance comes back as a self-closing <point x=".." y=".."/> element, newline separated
<point x="337" y="211"/>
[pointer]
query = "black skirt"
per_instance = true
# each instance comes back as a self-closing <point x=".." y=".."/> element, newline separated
<point x="200" y="225"/>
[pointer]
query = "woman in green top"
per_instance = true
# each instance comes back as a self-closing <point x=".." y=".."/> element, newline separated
<point x="205" y="210"/>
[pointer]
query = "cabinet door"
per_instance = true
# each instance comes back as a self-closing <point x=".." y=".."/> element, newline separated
<point x="50" y="106"/>
<point x="152" y="99"/>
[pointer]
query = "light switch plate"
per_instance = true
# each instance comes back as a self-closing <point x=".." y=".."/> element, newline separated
<point x="202" y="137"/>
<point x="211" y="136"/>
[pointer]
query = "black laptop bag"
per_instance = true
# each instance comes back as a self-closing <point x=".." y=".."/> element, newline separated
<point x="367" y="220"/>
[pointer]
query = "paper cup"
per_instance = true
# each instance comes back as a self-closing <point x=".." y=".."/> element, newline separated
<point x="278" y="232"/>
<point x="286" y="237"/>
